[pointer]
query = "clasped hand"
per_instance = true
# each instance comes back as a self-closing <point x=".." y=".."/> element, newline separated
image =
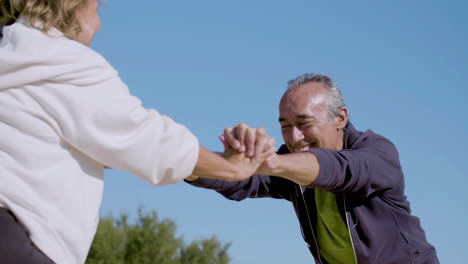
<point x="249" y="150"/>
<point x="252" y="143"/>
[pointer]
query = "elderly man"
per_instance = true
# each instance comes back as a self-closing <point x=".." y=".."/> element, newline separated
<point x="346" y="186"/>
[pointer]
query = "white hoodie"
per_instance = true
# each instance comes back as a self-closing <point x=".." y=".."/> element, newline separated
<point x="65" y="115"/>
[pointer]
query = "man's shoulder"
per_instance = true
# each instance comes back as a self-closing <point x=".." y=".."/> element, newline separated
<point x="355" y="138"/>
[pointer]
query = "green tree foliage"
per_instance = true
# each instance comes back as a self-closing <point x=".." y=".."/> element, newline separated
<point x="206" y="251"/>
<point x="151" y="241"/>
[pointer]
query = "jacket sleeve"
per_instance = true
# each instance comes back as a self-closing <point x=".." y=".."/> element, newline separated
<point x="256" y="186"/>
<point x="94" y="112"/>
<point x="372" y="167"/>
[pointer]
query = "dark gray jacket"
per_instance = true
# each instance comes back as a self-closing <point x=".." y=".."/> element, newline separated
<point x="367" y="179"/>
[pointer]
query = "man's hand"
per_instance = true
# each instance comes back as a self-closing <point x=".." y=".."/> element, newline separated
<point x="247" y="166"/>
<point x="247" y="149"/>
<point x="268" y="167"/>
<point x="243" y="138"/>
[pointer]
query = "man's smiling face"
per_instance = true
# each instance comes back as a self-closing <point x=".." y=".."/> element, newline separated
<point x="305" y="122"/>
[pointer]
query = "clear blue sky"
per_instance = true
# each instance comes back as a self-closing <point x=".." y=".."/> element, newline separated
<point x="402" y="67"/>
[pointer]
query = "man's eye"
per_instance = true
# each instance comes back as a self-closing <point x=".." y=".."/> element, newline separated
<point x="285" y="126"/>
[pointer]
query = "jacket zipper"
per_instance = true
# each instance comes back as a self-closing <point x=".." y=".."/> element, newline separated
<point x="310" y="225"/>
<point x="349" y="230"/>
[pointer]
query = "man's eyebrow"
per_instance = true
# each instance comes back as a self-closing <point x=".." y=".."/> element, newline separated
<point x="305" y="116"/>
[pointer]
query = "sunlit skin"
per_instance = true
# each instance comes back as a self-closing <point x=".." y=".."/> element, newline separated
<point x="90" y="22"/>
<point x="305" y="122"/>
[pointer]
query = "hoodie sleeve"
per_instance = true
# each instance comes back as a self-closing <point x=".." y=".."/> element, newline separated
<point x="95" y="113"/>
<point x="257" y="186"/>
<point x="372" y="167"/>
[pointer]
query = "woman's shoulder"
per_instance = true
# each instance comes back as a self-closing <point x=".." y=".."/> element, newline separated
<point x="41" y="56"/>
<point x="25" y="40"/>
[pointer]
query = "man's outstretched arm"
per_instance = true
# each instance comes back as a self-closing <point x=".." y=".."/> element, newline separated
<point x="301" y="168"/>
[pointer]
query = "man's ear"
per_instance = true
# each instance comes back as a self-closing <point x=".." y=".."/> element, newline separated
<point x="342" y="119"/>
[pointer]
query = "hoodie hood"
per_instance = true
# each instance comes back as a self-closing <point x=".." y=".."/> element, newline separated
<point x="29" y="56"/>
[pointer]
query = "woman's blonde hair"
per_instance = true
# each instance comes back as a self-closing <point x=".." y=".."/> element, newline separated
<point x="43" y="14"/>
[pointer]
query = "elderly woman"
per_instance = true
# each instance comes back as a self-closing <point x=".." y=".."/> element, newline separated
<point x="65" y="116"/>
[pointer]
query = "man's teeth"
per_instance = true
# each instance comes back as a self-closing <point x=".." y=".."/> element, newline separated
<point x="302" y="149"/>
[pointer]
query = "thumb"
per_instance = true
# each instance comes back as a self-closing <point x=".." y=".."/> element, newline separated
<point x="225" y="143"/>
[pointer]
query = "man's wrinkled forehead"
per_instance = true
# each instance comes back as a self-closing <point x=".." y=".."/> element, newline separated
<point x="301" y="105"/>
<point x="312" y="93"/>
<point x="317" y="100"/>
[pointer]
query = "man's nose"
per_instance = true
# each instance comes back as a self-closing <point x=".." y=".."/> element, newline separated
<point x="296" y="134"/>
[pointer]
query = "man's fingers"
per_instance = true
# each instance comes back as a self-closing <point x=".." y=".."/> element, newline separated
<point x="264" y="155"/>
<point x="242" y="138"/>
<point x="225" y="143"/>
<point x="230" y="138"/>
<point x="261" y="131"/>
<point x="270" y="143"/>
<point x="259" y="147"/>
<point x="263" y="143"/>
<point x="250" y="143"/>
<point x="240" y="131"/>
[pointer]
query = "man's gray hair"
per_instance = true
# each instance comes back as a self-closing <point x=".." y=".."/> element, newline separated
<point x="335" y="99"/>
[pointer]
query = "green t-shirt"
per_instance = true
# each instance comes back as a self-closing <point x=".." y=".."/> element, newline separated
<point x="332" y="233"/>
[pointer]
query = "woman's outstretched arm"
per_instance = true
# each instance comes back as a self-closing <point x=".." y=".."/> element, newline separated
<point x="236" y="167"/>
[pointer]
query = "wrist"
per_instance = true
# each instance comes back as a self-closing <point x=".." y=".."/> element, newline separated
<point x="274" y="165"/>
<point x="192" y="178"/>
<point x="235" y="174"/>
